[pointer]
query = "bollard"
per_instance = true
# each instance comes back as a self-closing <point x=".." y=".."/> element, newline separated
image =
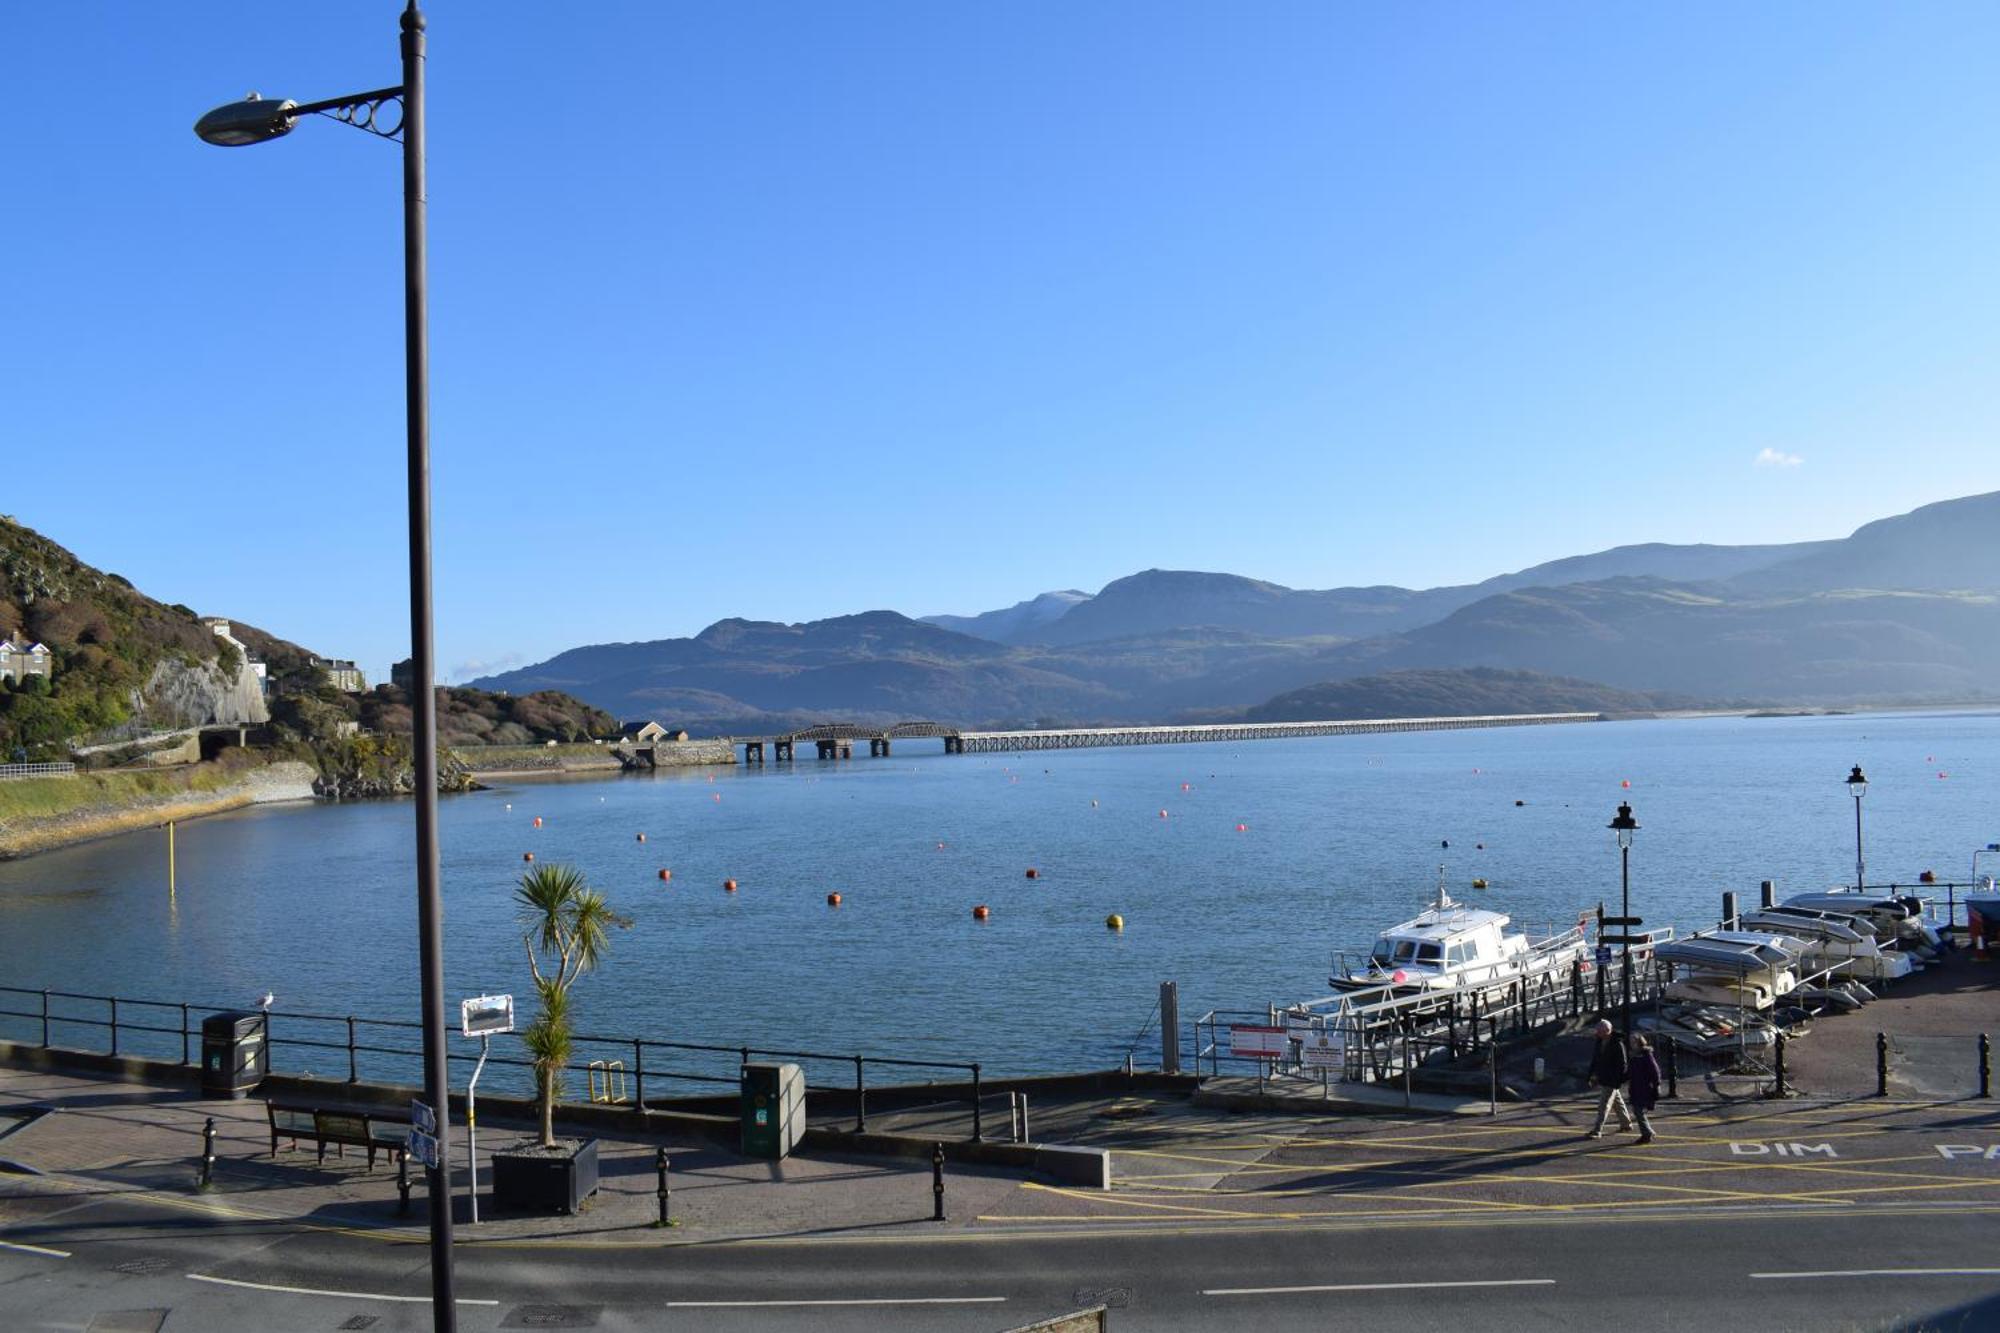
<point x="1985" y="1065"/>
<point x="1729" y="912"/>
<point x="1779" y="1090"/>
<point x="1673" y="1069"/>
<point x="1767" y="893"/>
<point x="860" y="1098"/>
<point x="207" y="1175"/>
<point x="978" y="1127"/>
<point x="1881" y="1064"/>
<point x="403" y="1181"/>
<point x="937" y="1183"/>
<point x="353" y="1067"/>
<point x="665" y="1190"/>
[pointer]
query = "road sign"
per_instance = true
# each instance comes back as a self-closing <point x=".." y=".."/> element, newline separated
<point x="1603" y="953"/>
<point x="1256" y="1041"/>
<point x="1622" y="921"/>
<point x="485" y="1014"/>
<point x="423" y="1120"/>
<point x="424" y="1147"/>
<point x="1321" y="1050"/>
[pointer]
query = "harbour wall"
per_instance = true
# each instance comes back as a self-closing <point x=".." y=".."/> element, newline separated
<point x="94" y="807"/>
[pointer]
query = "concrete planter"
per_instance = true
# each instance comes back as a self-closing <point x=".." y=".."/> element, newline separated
<point x="535" y="1180"/>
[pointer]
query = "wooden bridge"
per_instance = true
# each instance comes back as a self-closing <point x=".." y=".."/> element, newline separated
<point x="835" y="740"/>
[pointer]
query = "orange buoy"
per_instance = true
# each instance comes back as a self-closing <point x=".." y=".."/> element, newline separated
<point x="666" y="874"/>
<point x="1034" y="873"/>
<point x="833" y="900"/>
<point x="729" y="886"/>
<point x="527" y="856"/>
<point x="538" y="821"/>
<point x="1927" y="877"/>
<point x="1186" y="787"/>
<point x="1242" y="828"/>
<point x="980" y="913"/>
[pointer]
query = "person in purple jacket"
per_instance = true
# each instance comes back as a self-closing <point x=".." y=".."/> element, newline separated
<point x="1643" y="1085"/>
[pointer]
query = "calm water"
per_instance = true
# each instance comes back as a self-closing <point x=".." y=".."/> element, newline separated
<point x="1342" y="838"/>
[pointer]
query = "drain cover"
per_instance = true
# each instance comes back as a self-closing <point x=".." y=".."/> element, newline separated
<point x="552" y="1316"/>
<point x="141" y="1267"/>
<point x="1112" y="1298"/>
<point x="359" y="1321"/>
<point x="128" y="1321"/>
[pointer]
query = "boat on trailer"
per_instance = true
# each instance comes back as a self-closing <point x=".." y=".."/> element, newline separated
<point x="1449" y="948"/>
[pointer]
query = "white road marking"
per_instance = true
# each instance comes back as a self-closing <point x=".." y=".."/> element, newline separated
<point x="1890" y="1272"/>
<point x="316" y="1291"/>
<point x="26" y="1248"/>
<point x="1380" y="1286"/>
<point x="885" y="1300"/>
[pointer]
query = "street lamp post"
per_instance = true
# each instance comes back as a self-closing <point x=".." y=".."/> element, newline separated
<point x="1623" y="826"/>
<point x="256" y="120"/>
<point x="1857" y="787"/>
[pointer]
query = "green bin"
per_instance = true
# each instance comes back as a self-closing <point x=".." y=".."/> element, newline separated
<point x="774" y="1109"/>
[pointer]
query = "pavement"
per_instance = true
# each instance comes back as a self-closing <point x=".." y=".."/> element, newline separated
<point x="1809" y="1214"/>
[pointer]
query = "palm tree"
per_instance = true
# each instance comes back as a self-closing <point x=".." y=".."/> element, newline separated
<point x="566" y="929"/>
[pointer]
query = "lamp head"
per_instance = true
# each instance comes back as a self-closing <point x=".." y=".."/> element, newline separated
<point x="252" y="120"/>
<point x="1623" y="824"/>
<point x="1857" y="783"/>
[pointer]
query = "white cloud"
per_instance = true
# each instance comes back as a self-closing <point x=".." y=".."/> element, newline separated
<point x="475" y="667"/>
<point x="1769" y="457"/>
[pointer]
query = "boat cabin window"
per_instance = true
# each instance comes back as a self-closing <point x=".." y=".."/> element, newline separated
<point x="1394" y="951"/>
<point x="1456" y="955"/>
<point x="1430" y="951"/>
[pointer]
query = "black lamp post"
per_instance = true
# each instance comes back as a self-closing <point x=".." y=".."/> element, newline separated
<point x="256" y="120"/>
<point x="1857" y="787"/>
<point x="1623" y="826"/>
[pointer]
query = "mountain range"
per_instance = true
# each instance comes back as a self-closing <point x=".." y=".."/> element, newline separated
<point x="1907" y="609"/>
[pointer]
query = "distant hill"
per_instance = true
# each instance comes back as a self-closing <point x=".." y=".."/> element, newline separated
<point x="123" y="662"/>
<point x="1012" y="624"/>
<point x="1461" y="692"/>
<point x="1907" y="609"/>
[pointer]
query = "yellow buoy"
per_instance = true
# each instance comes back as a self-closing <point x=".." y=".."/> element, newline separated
<point x="1115" y="921"/>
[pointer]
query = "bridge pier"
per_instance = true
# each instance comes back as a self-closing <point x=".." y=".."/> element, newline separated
<point x="781" y="751"/>
<point x="753" y="752"/>
<point x="878" y="747"/>
<point x="954" y="745"/>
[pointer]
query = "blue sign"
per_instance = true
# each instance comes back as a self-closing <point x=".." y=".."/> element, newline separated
<point x="424" y="1147"/>
<point x="1603" y="953"/>
<point x="422" y="1119"/>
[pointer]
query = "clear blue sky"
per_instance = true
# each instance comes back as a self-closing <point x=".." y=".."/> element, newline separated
<point x="788" y="310"/>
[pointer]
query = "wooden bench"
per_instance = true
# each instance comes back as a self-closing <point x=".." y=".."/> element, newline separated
<point x="370" y="1127"/>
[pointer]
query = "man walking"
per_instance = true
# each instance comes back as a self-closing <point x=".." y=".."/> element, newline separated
<point x="1608" y="1070"/>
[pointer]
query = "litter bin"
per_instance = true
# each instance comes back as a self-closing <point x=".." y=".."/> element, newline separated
<point x="233" y="1058"/>
<point x="774" y="1109"/>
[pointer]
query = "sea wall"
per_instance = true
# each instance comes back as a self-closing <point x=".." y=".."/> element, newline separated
<point x="530" y="760"/>
<point x="78" y="809"/>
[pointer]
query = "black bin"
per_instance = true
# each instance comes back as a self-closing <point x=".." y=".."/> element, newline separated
<point x="233" y="1058"/>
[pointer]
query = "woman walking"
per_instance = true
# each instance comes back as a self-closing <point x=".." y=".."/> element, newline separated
<point x="1643" y="1085"/>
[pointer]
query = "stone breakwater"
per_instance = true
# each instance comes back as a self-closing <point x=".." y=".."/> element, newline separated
<point x="492" y="761"/>
<point x="288" y="781"/>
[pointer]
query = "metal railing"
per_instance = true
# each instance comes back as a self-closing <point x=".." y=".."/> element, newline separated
<point x="171" y="1030"/>
<point x="61" y="769"/>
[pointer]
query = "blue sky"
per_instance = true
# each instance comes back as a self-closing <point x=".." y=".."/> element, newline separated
<point x="788" y="310"/>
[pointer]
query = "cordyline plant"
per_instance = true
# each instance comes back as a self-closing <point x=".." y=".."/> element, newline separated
<point x="566" y="927"/>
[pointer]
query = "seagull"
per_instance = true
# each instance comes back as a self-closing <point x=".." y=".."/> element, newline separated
<point x="266" y="1000"/>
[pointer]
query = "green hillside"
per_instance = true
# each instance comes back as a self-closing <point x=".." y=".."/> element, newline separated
<point x="1469" y="692"/>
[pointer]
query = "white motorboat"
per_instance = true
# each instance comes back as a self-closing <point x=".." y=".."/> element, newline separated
<point x="1833" y="940"/>
<point x="1898" y="922"/>
<point x="1449" y="947"/>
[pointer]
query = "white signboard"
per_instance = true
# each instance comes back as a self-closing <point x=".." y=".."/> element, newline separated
<point x="1321" y="1050"/>
<point x="1263" y="1043"/>
<point x="483" y="1015"/>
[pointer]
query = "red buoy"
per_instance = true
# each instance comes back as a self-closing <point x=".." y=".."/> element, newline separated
<point x="642" y="837"/>
<point x="1242" y="828"/>
<point x="1034" y="873"/>
<point x="527" y="856"/>
<point x="833" y="900"/>
<point x="666" y="874"/>
<point x="538" y="821"/>
<point x="729" y="886"/>
<point x="980" y="912"/>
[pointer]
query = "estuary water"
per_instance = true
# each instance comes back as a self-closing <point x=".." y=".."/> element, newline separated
<point x="1238" y="869"/>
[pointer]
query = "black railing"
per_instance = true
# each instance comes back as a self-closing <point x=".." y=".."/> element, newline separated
<point x="56" y="1016"/>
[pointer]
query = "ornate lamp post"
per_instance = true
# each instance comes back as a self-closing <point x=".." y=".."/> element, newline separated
<point x="256" y="120"/>
<point x="1857" y="787"/>
<point x="1622" y="827"/>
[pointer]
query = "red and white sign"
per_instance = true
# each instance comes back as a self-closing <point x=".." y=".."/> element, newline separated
<point x="1257" y="1042"/>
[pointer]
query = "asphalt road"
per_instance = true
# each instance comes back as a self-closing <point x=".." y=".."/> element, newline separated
<point x="1807" y="1268"/>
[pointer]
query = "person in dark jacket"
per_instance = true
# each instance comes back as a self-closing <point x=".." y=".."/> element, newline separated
<point x="1644" y="1089"/>
<point x="1608" y="1071"/>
